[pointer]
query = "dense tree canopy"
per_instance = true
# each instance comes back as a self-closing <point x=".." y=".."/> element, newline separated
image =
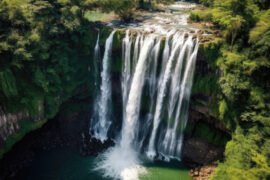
<point x="244" y="102"/>
<point x="41" y="43"/>
<point x="125" y="8"/>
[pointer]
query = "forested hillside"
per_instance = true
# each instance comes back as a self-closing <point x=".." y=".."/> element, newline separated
<point x="44" y="47"/>
<point x="244" y="63"/>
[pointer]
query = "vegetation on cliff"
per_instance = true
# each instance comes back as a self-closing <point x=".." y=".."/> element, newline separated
<point x="124" y="8"/>
<point x="244" y="64"/>
<point x="45" y="46"/>
<point x="44" y="49"/>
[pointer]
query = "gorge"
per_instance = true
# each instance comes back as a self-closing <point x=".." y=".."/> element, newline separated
<point x="149" y="73"/>
<point x="134" y="90"/>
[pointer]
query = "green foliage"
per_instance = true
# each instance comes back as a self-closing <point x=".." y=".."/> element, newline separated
<point x="8" y="83"/>
<point x="45" y="52"/>
<point x="233" y="82"/>
<point x="151" y="4"/>
<point x="233" y="17"/>
<point x="245" y="159"/>
<point x="206" y="85"/>
<point x="263" y="4"/>
<point x="262" y="26"/>
<point x="98" y="15"/>
<point x="207" y="2"/>
<point x="43" y="48"/>
<point x="260" y="36"/>
<point x="223" y="109"/>
<point x="206" y="133"/>
<point x="203" y="131"/>
<point x="211" y="51"/>
<point x="244" y="82"/>
<point x="164" y="1"/>
<point x="206" y="77"/>
<point x="200" y="15"/>
<point x="124" y="8"/>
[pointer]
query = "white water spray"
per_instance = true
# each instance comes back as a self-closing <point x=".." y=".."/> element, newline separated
<point x="102" y="124"/>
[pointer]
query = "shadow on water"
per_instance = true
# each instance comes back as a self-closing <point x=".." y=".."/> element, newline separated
<point x="68" y="164"/>
<point x="63" y="164"/>
<point x="173" y="164"/>
<point x="160" y="170"/>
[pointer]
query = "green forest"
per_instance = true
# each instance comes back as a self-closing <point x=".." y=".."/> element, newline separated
<point x="244" y="62"/>
<point x="44" y="49"/>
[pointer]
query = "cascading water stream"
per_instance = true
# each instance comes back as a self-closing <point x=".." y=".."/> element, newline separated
<point x="161" y="94"/>
<point x="101" y="124"/>
<point x="174" y="92"/>
<point x="127" y="167"/>
<point x="127" y="69"/>
<point x="133" y="104"/>
<point x="136" y="51"/>
<point x="179" y="88"/>
<point x="96" y="60"/>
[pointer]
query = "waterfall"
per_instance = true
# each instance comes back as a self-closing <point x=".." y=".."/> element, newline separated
<point x="161" y="95"/>
<point x="100" y="124"/>
<point x="174" y="92"/>
<point x="133" y="104"/>
<point x="126" y="71"/>
<point x="96" y="60"/>
<point x="163" y="77"/>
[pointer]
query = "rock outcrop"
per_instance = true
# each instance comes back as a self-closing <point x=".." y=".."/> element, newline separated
<point x="203" y="173"/>
<point x="204" y="140"/>
<point x="9" y="124"/>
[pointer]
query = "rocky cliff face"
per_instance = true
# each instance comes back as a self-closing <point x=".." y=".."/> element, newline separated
<point x="69" y="129"/>
<point x="10" y="123"/>
<point x="205" y="139"/>
<point x="203" y="173"/>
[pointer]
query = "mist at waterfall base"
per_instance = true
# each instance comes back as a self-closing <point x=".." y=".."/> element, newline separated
<point x="164" y="77"/>
<point x="68" y="164"/>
